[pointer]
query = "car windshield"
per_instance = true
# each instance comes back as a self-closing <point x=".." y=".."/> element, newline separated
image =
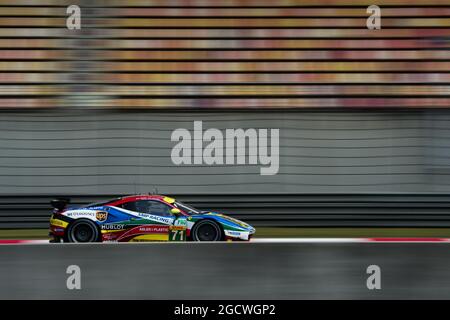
<point x="186" y="208"/>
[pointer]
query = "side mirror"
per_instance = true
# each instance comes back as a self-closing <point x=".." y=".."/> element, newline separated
<point x="176" y="212"/>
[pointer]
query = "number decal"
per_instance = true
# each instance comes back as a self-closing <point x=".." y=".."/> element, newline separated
<point x="177" y="235"/>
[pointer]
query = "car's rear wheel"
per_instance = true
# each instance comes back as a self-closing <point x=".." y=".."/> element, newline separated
<point x="206" y="230"/>
<point x="83" y="231"/>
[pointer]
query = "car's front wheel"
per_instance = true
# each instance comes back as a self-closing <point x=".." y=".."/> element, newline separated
<point x="83" y="231"/>
<point x="206" y="230"/>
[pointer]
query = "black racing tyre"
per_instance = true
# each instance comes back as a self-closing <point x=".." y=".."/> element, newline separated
<point x="83" y="231"/>
<point x="207" y="230"/>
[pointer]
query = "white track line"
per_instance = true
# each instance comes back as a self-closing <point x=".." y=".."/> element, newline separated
<point x="309" y="240"/>
<point x="351" y="240"/>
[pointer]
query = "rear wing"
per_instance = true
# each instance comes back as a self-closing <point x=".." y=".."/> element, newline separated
<point x="60" y="203"/>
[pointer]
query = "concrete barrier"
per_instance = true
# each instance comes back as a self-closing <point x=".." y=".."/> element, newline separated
<point x="225" y="271"/>
<point x="269" y="209"/>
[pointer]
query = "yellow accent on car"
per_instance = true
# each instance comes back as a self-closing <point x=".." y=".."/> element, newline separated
<point x="151" y="237"/>
<point x="169" y="200"/>
<point x="177" y="228"/>
<point x="58" y="223"/>
<point x="111" y="231"/>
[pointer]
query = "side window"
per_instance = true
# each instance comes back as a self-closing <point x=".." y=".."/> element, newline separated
<point x="129" y="206"/>
<point x="148" y="206"/>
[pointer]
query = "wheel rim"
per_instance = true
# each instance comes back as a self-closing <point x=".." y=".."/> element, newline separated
<point x="207" y="232"/>
<point x="83" y="232"/>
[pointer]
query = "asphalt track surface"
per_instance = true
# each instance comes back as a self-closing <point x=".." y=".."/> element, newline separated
<point x="411" y="269"/>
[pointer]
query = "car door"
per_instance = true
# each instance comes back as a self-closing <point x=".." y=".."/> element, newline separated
<point x="151" y="217"/>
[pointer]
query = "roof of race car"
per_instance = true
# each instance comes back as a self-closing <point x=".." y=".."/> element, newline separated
<point x="128" y="198"/>
<point x="147" y="197"/>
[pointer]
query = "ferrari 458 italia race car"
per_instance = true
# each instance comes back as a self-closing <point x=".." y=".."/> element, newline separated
<point x="142" y="218"/>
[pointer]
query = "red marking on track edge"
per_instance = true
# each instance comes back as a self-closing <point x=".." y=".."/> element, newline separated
<point x="13" y="241"/>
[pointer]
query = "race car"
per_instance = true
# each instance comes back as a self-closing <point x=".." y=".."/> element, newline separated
<point x="140" y="218"/>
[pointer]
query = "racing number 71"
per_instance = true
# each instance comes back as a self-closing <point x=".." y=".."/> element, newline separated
<point x="177" y="231"/>
<point x="177" y="235"/>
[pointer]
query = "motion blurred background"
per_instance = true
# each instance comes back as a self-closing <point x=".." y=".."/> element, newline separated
<point x="363" y="114"/>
